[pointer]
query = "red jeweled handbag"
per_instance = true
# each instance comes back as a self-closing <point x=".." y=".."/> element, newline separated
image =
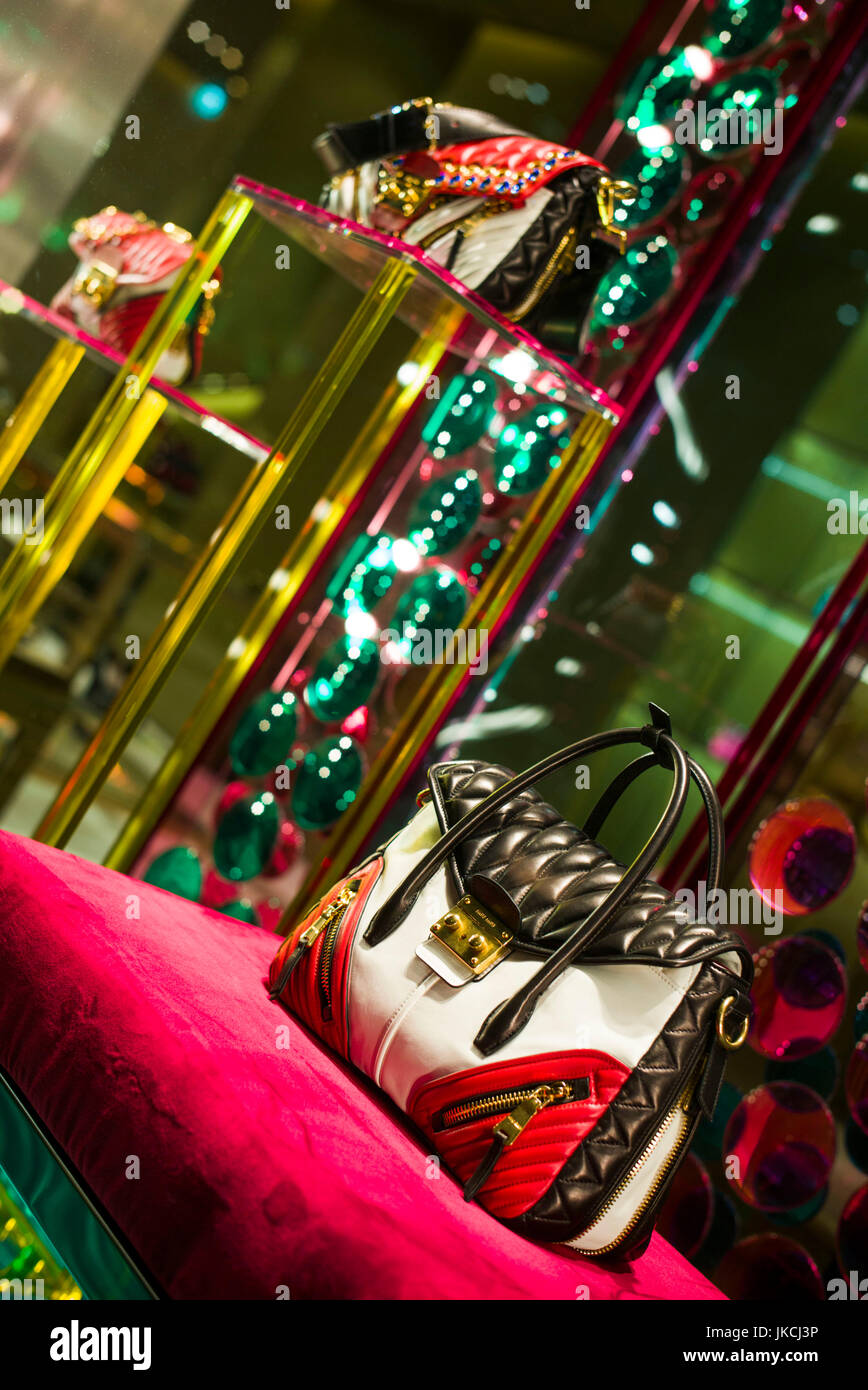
<point x="126" y="263"/>
<point x="528" y="224"/>
<point x="554" y="1024"/>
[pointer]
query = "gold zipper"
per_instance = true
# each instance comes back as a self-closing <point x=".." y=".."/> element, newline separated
<point x="336" y="906"/>
<point x="525" y="1101"/>
<point x="336" y="916"/>
<point x="680" y="1108"/>
<point x="530" y="1100"/>
<point x="511" y="1126"/>
<point x="331" y="916"/>
<point x="563" y="251"/>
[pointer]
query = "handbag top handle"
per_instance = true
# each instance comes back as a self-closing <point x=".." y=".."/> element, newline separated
<point x="513" y="1014"/>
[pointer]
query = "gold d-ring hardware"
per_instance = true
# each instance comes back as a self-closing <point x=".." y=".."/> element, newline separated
<point x="731" y="1044"/>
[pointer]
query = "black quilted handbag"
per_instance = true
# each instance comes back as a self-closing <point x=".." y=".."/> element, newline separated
<point x="528" y="224"/>
<point x="554" y="1024"/>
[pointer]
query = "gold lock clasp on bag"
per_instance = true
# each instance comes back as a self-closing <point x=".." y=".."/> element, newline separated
<point x="473" y="936"/>
<point x="96" y="282"/>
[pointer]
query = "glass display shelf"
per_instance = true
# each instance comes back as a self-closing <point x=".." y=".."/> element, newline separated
<point x="456" y="485"/>
<point x="359" y="253"/>
<point x="55" y="1233"/>
<point x="386" y="476"/>
<point x="29" y="310"/>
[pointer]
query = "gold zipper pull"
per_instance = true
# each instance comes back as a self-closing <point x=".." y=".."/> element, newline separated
<point x="314" y="931"/>
<point x="607" y="191"/>
<point x="685" y="1100"/>
<point x="507" y="1130"/>
<point x="318" y="925"/>
<point x="510" y="1127"/>
<point x="343" y="899"/>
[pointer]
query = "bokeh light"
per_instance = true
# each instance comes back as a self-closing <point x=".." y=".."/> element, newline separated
<point x="779" y="1146"/>
<point x="804" y="852"/>
<point x="799" y="995"/>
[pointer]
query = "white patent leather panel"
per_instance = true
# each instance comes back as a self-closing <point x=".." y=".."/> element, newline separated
<point x="401" y="1033"/>
<point x="443" y="216"/>
<point x="493" y="240"/>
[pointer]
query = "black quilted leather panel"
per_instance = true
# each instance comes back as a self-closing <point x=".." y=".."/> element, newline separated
<point x="571" y="205"/>
<point x="558" y="876"/>
<point x="608" y="1152"/>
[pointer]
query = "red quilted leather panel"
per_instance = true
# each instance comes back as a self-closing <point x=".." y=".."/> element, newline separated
<point x="530" y="1164"/>
<point x="121" y="326"/>
<point x="302" y="992"/>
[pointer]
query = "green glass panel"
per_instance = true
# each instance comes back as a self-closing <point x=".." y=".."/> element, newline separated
<point x="658" y="174"/>
<point x="327" y="782"/>
<point x="462" y="416"/>
<point x="343" y="679"/>
<point x="245" y="836"/>
<point x="656" y="91"/>
<point x="753" y="93"/>
<point x="178" y="871"/>
<point x="529" y="449"/>
<point x="435" y="599"/>
<point x="635" y="283"/>
<point x="356" y="552"/>
<point x="365" y="576"/>
<point x="57" y="1211"/>
<point x="263" y="735"/>
<point x="736" y="27"/>
<point x="445" y="512"/>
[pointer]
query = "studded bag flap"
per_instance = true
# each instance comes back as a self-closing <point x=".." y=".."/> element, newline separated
<point x="528" y="224"/>
<point x="126" y="264"/>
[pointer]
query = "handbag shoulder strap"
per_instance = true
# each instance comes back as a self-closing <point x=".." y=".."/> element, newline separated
<point x="414" y="126"/>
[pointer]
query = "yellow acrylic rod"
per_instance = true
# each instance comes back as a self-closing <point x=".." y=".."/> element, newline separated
<point x="433" y="697"/>
<point x="117" y="405"/>
<point x="34" y="406"/>
<point x="72" y="525"/>
<point x="261" y="491"/>
<point x="241" y="654"/>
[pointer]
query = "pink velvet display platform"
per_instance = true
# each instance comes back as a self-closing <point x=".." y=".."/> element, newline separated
<point x="136" y="1023"/>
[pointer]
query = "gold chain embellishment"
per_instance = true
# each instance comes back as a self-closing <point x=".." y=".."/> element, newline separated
<point x="405" y="192"/>
<point x="99" y="232"/>
<point x="510" y="182"/>
<point x="477" y="177"/>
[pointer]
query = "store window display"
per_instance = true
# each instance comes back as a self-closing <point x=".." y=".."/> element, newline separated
<point x="225" y="670"/>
